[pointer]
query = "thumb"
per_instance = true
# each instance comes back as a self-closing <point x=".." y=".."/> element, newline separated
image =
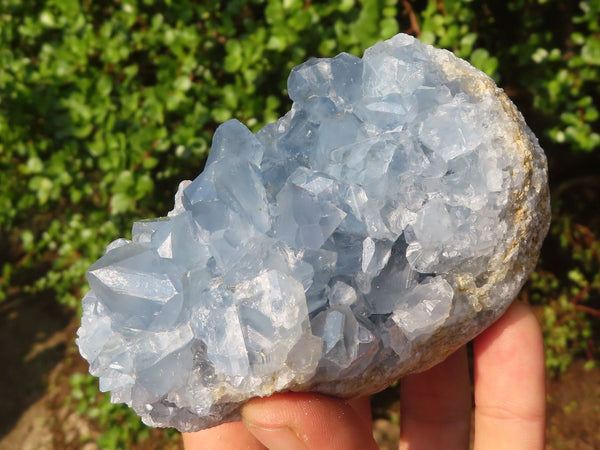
<point x="306" y="421"/>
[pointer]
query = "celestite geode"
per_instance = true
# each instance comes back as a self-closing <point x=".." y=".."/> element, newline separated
<point x="391" y="215"/>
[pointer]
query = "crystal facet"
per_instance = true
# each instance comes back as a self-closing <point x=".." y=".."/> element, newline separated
<point x="391" y="215"/>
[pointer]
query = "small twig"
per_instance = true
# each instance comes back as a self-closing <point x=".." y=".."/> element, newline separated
<point x="441" y="7"/>
<point x="589" y="310"/>
<point x="588" y="350"/>
<point x="24" y="260"/>
<point x="145" y="156"/>
<point x="591" y="181"/>
<point x="577" y="298"/>
<point x="414" y="25"/>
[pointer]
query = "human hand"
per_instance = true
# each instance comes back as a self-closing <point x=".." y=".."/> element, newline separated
<point x="436" y="405"/>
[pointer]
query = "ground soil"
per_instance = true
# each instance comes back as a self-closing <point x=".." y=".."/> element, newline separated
<point x="38" y="357"/>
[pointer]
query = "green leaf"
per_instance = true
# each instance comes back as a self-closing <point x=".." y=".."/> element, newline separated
<point x="234" y="58"/>
<point x="34" y="165"/>
<point x="120" y="203"/>
<point x="47" y="19"/>
<point x="27" y="240"/>
<point x="183" y="83"/>
<point x="590" y="52"/>
<point x="123" y="182"/>
<point x="482" y="59"/>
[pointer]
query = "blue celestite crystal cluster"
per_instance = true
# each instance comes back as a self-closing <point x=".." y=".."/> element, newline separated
<point x="392" y="214"/>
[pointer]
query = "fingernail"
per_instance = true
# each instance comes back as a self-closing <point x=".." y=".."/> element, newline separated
<point x="274" y="437"/>
<point x="282" y="438"/>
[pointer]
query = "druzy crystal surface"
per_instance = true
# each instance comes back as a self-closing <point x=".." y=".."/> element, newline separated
<point x="393" y="213"/>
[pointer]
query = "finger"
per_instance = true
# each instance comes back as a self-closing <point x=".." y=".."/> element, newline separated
<point x="509" y="375"/>
<point x="435" y="406"/>
<point x="229" y="436"/>
<point x="294" y="421"/>
<point x="235" y="436"/>
<point x="362" y="407"/>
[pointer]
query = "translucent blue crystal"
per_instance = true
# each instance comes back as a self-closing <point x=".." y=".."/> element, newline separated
<point x="391" y="215"/>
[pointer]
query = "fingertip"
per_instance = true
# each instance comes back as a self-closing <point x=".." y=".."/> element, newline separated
<point x="518" y="318"/>
<point x="509" y="375"/>
<point x="307" y="421"/>
<point x="228" y="436"/>
<point x="513" y="344"/>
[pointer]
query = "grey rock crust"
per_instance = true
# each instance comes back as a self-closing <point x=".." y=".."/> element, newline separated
<point x="388" y="218"/>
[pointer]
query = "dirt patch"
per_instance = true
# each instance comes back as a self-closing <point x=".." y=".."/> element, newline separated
<point x="32" y="431"/>
<point x="38" y="412"/>
<point x="34" y="334"/>
<point x="574" y="409"/>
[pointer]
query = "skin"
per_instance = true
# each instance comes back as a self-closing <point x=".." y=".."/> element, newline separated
<point x="436" y="405"/>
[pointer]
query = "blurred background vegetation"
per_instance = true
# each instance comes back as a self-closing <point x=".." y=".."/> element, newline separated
<point x="105" y="106"/>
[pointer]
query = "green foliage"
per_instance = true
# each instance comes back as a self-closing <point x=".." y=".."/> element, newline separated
<point x="105" y="106"/>
<point x="121" y="425"/>
<point x="558" y="55"/>
<point x="567" y="298"/>
<point x="450" y="25"/>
